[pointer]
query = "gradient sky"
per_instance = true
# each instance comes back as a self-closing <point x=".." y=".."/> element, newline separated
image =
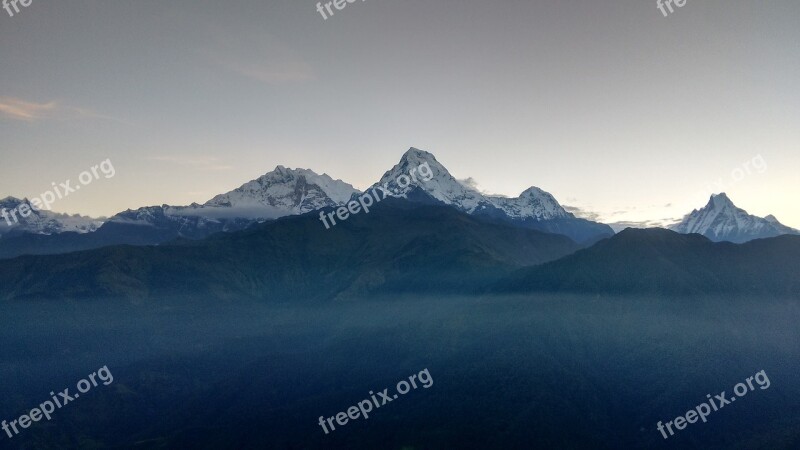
<point x="616" y="110"/>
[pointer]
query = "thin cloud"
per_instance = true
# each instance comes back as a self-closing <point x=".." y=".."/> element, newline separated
<point x="273" y="73"/>
<point x="23" y="110"/>
<point x="17" y="109"/>
<point x="197" y="162"/>
<point x="472" y="183"/>
<point x="582" y="213"/>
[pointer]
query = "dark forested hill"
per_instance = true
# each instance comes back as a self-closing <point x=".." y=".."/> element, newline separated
<point x="661" y="261"/>
<point x="398" y="247"/>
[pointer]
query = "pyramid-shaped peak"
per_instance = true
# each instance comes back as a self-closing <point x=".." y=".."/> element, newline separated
<point x="721" y="220"/>
<point x="720" y="201"/>
<point x="418" y="156"/>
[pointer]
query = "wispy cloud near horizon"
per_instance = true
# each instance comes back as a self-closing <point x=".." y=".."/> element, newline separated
<point x="626" y="218"/>
<point x="582" y="213"/>
<point x="18" y="109"/>
<point x="28" y="111"/>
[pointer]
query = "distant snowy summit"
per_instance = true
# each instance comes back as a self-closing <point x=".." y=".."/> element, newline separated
<point x="534" y="204"/>
<point x="721" y="220"/>
<point x="282" y="192"/>
<point x="287" y="192"/>
<point x="26" y="219"/>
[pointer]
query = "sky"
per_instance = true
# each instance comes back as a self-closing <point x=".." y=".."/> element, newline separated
<point x="623" y="114"/>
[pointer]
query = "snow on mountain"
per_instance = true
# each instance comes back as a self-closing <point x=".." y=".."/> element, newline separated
<point x="534" y="208"/>
<point x="288" y="192"/>
<point x="534" y="203"/>
<point x="721" y="220"/>
<point x="438" y="183"/>
<point x="282" y="192"/>
<point x="42" y="221"/>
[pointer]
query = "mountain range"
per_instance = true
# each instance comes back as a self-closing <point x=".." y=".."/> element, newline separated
<point x="435" y="234"/>
<point x="288" y="192"/>
<point x="404" y="247"/>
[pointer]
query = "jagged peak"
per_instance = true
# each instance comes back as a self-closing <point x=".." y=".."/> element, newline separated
<point x="414" y="156"/>
<point x="720" y="201"/>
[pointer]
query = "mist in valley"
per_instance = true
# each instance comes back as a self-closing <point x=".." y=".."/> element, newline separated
<point x="508" y="372"/>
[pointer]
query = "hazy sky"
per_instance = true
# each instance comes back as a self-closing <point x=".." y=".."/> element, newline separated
<point x="608" y="105"/>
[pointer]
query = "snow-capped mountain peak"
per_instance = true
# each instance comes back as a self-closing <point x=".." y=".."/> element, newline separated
<point x="722" y="202"/>
<point x="41" y="221"/>
<point x="419" y="169"/>
<point x="295" y="191"/>
<point x="533" y="203"/>
<point x="282" y="192"/>
<point x="721" y="220"/>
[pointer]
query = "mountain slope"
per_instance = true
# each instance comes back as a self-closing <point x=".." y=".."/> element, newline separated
<point x="721" y="220"/>
<point x="398" y="247"/>
<point x="660" y="261"/>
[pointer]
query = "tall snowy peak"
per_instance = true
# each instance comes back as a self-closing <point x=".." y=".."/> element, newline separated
<point x="282" y="192"/>
<point x="721" y="220"/>
<point x="294" y="191"/>
<point x="436" y="181"/>
<point x="419" y="169"/>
